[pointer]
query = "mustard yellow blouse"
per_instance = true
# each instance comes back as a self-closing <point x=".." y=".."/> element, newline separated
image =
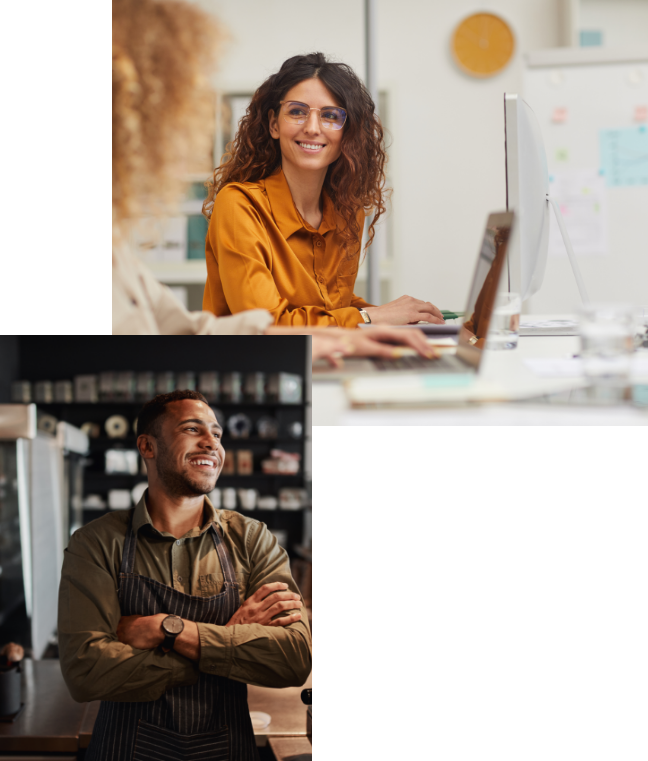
<point x="262" y="254"/>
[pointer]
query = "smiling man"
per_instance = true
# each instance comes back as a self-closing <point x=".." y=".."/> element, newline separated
<point x="168" y="610"/>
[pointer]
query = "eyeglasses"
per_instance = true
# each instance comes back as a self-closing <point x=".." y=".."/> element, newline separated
<point x="331" y="117"/>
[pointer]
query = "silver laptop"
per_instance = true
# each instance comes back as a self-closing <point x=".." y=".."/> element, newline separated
<point x="460" y="368"/>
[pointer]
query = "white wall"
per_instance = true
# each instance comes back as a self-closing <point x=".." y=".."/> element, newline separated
<point x="624" y="23"/>
<point x="263" y="34"/>
<point x="448" y="137"/>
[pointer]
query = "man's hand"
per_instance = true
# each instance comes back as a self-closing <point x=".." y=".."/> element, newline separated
<point x="141" y="632"/>
<point x="265" y="603"/>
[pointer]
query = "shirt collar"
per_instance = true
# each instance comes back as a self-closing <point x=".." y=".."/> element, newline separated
<point x="285" y="213"/>
<point x="141" y="517"/>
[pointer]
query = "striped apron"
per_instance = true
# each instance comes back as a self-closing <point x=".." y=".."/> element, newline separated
<point x="207" y="720"/>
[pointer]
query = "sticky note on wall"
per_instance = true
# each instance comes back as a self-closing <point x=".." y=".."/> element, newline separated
<point x="559" y="115"/>
<point x="624" y="156"/>
<point x="641" y="114"/>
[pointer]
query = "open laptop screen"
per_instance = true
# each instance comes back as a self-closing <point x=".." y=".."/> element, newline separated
<point x="487" y="282"/>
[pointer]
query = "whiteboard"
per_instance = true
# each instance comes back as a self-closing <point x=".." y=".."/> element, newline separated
<point x="578" y="95"/>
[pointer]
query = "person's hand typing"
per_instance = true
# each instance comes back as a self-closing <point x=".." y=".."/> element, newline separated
<point x="405" y="311"/>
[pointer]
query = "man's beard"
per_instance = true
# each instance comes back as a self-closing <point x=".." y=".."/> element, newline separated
<point x="176" y="484"/>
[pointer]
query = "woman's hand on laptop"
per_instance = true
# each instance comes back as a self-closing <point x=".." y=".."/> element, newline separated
<point x="334" y="343"/>
<point x="405" y="311"/>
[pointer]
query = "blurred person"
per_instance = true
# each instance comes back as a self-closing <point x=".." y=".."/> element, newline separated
<point x="161" y="54"/>
<point x="287" y="206"/>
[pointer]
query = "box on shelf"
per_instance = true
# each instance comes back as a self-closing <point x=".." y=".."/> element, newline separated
<point x="124" y="390"/>
<point x="284" y="388"/>
<point x="164" y="383"/>
<point x="186" y="381"/>
<point x="63" y="391"/>
<point x="231" y="390"/>
<point x="196" y="234"/>
<point x="281" y="463"/>
<point x="122" y="461"/>
<point x="119" y="499"/>
<point x="292" y="499"/>
<point x="21" y="392"/>
<point x="254" y="388"/>
<point x="209" y="386"/>
<point x="244" y="462"/>
<point x="86" y="388"/>
<point x="44" y="392"/>
<point x="145" y="386"/>
<point x="229" y="467"/>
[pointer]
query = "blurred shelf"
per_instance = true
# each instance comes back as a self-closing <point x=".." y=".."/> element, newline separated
<point x="303" y="552"/>
<point x="95" y="475"/>
<point x="225" y="406"/>
<point x="105" y="441"/>
<point x="189" y="272"/>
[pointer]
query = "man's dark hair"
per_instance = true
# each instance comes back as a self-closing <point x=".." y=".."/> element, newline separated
<point x="150" y="417"/>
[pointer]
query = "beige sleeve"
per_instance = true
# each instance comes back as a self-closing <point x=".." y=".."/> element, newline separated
<point x="144" y="306"/>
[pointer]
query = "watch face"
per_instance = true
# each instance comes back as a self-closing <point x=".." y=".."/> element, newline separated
<point x="172" y="625"/>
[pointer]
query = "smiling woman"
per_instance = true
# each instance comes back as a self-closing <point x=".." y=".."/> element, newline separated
<point x="288" y="204"/>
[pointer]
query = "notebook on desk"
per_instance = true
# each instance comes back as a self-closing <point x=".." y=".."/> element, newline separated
<point x="458" y="369"/>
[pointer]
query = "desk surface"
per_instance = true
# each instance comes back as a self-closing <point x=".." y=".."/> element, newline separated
<point x="331" y="406"/>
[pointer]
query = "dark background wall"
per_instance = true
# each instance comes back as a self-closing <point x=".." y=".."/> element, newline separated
<point x="62" y="357"/>
<point x="8" y="366"/>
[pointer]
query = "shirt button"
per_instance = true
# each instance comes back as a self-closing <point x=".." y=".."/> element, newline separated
<point x="178" y="542"/>
<point x="319" y="243"/>
<point x="321" y="279"/>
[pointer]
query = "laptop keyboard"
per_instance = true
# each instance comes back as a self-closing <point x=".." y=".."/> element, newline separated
<point x="412" y="363"/>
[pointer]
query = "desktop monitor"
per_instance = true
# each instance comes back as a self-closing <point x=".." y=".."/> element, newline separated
<point x="527" y="188"/>
<point x="527" y="194"/>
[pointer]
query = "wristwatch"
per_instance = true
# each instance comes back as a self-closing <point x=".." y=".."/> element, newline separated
<point x="171" y="626"/>
<point x="365" y="316"/>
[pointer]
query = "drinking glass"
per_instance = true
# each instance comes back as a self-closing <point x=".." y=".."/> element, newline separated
<point x="505" y="321"/>
<point x="607" y="342"/>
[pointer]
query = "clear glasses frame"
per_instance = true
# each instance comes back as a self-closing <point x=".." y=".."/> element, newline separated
<point x="300" y="120"/>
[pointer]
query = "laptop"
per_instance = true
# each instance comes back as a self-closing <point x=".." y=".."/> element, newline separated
<point x="457" y="369"/>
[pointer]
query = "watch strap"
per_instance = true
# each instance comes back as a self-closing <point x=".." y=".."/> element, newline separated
<point x="365" y="316"/>
<point x="169" y="641"/>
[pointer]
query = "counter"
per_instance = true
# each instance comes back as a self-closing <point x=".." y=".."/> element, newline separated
<point x="51" y="722"/>
<point x="291" y="748"/>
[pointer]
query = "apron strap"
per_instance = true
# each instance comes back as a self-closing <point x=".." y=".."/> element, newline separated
<point x="130" y="545"/>
<point x="223" y="555"/>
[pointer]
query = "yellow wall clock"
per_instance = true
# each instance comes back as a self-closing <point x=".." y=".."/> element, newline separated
<point x="482" y="44"/>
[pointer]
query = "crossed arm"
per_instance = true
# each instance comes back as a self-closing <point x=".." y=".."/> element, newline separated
<point x="145" y="632"/>
<point x="105" y="656"/>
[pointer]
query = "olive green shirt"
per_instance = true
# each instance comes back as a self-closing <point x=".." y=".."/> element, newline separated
<point x="96" y="666"/>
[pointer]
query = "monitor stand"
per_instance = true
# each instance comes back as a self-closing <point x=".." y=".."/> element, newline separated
<point x="559" y="327"/>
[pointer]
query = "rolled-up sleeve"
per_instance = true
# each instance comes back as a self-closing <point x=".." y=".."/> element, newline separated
<point x="268" y="656"/>
<point x="95" y="665"/>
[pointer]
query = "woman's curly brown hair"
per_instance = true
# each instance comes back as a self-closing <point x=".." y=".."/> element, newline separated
<point x="354" y="181"/>
<point x="162" y="51"/>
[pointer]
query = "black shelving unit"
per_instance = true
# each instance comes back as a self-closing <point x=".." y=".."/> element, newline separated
<point x="62" y="358"/>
